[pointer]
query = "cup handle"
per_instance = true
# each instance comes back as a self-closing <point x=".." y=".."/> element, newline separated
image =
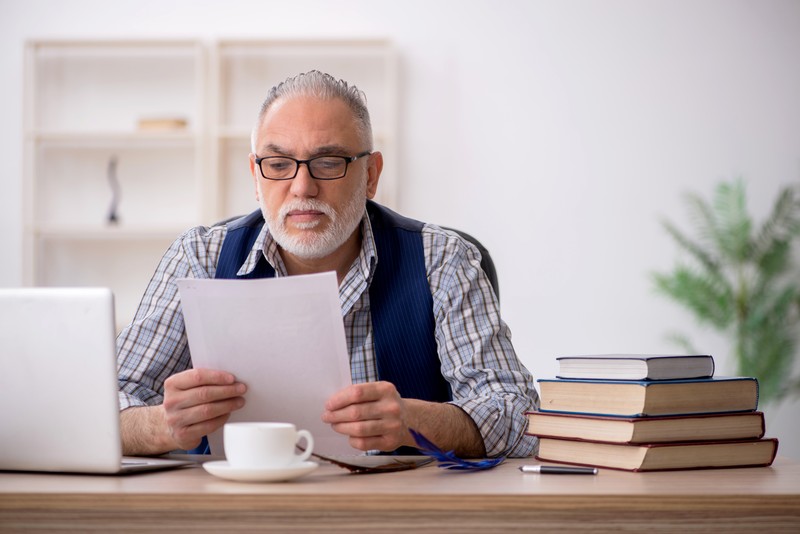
<point x="305" y="434"/>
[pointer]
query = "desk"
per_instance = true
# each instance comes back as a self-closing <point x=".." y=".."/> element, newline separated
<point x="425" y="499"/>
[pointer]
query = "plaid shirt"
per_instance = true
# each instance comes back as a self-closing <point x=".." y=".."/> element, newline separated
<point x="478" y="360"/>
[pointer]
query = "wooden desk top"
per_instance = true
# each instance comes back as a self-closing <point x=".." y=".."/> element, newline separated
<point x="427" y="497"/>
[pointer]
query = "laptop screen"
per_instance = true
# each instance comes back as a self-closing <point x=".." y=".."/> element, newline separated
<point x="58" y="380"/>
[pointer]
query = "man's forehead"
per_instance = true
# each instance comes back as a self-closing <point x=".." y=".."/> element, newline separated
<point x="308" y="123"/>
<point x="311" y="150"/>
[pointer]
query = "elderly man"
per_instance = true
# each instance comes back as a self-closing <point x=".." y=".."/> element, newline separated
<point x="428" y="349"/>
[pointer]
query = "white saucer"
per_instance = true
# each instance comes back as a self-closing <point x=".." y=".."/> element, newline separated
<point x="245" y="474"/>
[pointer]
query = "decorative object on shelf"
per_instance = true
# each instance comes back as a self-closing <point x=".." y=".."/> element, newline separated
<point x="160" y="124"/>
<point x="113" y="182"/>
<point x="740" y="280"/>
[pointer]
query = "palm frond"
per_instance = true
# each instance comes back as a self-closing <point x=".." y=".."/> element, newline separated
<point x="733" y="222"/>
<point x="773" y="306"/>
<point x="708" y="296"/>
<point x="695" y="249"/>
<point x="682" y="342"/>
<point x="767" y="353"/>
<point x="703" y="219"/>
<point x="772" y="240"/>
<point x="774" y="261"/>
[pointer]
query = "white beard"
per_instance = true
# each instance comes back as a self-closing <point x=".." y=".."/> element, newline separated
<point x="311" y="245"/>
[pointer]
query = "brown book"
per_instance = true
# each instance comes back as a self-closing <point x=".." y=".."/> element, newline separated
<point x="660" y="456"/>
<point x="728" y="426"/>
<point x="643" y="398"/>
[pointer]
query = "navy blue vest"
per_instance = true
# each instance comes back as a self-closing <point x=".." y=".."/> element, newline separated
<point x="400" y="299"/>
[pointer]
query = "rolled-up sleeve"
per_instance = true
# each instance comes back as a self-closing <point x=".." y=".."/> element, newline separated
<point x="478" y="359"/>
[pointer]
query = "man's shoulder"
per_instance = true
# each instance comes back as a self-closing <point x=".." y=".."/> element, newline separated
<point x="254" y="219"/>
<point x="382" y="217"/>
<point x="447" y="240"/>
<point x="198" y="240"/>
<point x="204" y="233"/>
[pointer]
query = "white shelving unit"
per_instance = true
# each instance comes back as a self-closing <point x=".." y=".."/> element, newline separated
<point x="85" y="101"/>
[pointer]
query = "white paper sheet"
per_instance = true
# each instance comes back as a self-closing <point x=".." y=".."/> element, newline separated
<point x="283" y="337"/>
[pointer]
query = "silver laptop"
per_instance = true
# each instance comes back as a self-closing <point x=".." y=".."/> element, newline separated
<point x="58" y="384"/>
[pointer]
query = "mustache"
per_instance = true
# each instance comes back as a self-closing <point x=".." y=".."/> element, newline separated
<point x="307" y="204"/>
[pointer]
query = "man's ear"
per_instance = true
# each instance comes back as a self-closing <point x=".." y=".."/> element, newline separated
<point x="253" y="174"/>
<point x="374" y="173"/>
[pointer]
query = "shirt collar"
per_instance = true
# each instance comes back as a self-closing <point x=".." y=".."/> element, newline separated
<point x="264" y="245"/>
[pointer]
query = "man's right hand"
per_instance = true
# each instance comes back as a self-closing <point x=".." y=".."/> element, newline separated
<point x="196" y="403"/>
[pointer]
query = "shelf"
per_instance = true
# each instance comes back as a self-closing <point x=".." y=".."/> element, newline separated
<point x="110" y="232"/>
<point x="94" y="85"/>
<point x="237" y="133"/>
<point x="113" y="139"/>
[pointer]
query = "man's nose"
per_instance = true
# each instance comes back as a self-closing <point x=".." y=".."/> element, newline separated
<point x="303" y="185"/>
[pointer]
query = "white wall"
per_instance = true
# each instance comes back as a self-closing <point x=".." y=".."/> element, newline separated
<point x="558" y="132"/>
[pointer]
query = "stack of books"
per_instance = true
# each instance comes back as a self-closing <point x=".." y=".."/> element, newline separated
<point x="649" y="413"/>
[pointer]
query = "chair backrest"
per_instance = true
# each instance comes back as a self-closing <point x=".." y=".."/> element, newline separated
<point x="487" y="264"/>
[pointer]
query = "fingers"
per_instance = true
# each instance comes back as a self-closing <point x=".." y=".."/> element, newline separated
<point x="372" y="416"/>
<point x="383" y="442"/>
<point x="189" y="437"/>
<point x="378" y="434"/>
<point x="193" y="378"/>
<point x="196" y="387"/>
<point x="199" y="401"/>
<point x="379" y="408"/>
<point x="360" y="393"/>
<point x="200" y="413"/>
<point x="178" y="399"/>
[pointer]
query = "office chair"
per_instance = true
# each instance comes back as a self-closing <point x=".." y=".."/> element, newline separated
<point x="487" y="264"/>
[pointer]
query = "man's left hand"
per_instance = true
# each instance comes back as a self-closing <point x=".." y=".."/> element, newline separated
<point x="372" y="415"/>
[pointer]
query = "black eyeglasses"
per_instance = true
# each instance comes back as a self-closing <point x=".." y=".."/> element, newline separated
<point x="320" y="168"/>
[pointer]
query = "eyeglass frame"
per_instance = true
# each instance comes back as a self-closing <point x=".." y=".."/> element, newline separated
<point x="348" y="161"/>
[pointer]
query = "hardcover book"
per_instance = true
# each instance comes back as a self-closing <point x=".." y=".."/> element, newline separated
<point x="709" y="427"/>
<point x="636" y="367"/>
<point x="660" y="456"/>
<point x="649" y="398"/>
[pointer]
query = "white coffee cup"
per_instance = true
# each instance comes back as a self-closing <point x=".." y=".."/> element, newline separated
<point x="264" y="445"/>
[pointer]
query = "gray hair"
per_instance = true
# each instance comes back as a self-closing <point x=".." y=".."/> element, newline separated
<point x="322" y="86"/>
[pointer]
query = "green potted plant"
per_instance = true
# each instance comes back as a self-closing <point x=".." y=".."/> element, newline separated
<point x="739" y="279"/>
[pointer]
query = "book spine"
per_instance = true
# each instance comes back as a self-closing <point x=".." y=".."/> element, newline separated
<point x="645" y="383"/>
<point x="644" y="414"/>
<point x="693" y="468"/>
<point x="635" y="422"/>
<point x="594" y="414"/>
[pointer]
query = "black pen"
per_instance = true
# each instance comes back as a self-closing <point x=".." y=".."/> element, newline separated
<point x="558" y="470"/>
